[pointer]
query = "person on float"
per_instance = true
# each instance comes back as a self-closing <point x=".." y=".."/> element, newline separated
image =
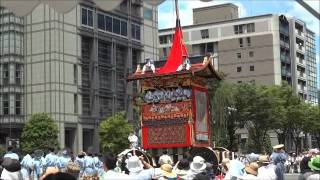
<point x="149" y="66"/>
<point x="133" y="139"/>
<point x="185" y="64"/>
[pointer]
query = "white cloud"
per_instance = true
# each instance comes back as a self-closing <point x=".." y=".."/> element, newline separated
<point x="301" y="13"/>
<point x="167" y="19"/>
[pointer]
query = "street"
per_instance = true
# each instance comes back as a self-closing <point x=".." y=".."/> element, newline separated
<point x="291" y="176"/>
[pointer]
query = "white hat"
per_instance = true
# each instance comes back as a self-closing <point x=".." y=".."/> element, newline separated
<point x="165" y="159"/>
<point x="134" y="164"/>
<point x="198" y="164"/>
<point x="279" y="146"/>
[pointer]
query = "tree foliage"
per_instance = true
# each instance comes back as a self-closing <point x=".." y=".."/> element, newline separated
<point x="114" y="133"/>
<point x="40" y="132"/>
<point x="261" y="109"/>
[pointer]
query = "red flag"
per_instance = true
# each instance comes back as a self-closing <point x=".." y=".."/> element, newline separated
<point x="178" y="50"/>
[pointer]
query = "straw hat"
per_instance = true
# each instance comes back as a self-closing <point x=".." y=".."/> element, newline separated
<point x="134" y="164"/>
<point x="166" y="170"/>
<point x="263" y="159"/>
<point x="198" y="164"/>
<point x="252" y="168"/>
<point x="314" y="164"/>
<point x="279" y="146"/>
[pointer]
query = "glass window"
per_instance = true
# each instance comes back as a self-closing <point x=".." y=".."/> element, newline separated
<point x="239" y="55"/>
<point x="135" y="31"/>
<point x="84" y="16"/>
<point x="147" y="14"/>
<point x="18" y="104"/>
<point x="101" y="22"/>
<point x="251" y="68"/>
<point x="75" y="101"/>
<point x="90" y="18"/>
<point x="5" y="74"/>
<point x="240" y="42"/>
<point x="250" y="27"/>
<point x="75" y="74"/>
<point x="124" y="28"/>
<point x="205" y="34"/>
<point x="5" y="101"/>
<point x="238" y="69"/>
<point x="251" y="54"/>
<point x="116" y="26"/>
<point x="249" y="41"/>
<point x="108" y="20"/>
<point x="18" y="74"/>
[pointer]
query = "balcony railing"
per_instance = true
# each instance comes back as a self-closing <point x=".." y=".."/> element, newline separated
<point x="300" y="33"/>
<point x="301" y="62"/>
<point x="301" y="48"/>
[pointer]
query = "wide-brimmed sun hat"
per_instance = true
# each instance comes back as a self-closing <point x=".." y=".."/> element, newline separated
<point x="279" y="146"/>
<point x="198" y="164"/>
<point x="264" y="159"/>
<point x="134" y="164"/>
<point x="314" y="164"/>
<point x="252" y="168"/>
<point x="166" y="170"/>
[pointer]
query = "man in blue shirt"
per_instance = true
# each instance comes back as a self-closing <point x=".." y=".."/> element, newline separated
<point x="11" y="154"/>
<point x="51" y="159"/>
<point x="279" y="157"/>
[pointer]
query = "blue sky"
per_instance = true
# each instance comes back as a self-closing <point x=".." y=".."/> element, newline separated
<point x="246" y="8"/>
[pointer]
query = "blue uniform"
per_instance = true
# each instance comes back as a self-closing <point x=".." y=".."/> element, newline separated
<point x="11" y="155"/>
<point x="279" y="158"/>
<point x="89" y="166"/>
<point x="51" y="160"/>
<point x="98" y="166"/>
<point x="38" y="167"/>
<point x="80" y="162"/>
<point x="26" y="166"/>
<point x="63" y="162"/>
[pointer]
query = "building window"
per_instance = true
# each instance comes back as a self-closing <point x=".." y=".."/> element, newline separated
<point x="239" y="82"/>
<point x="135" y="31"/>
<point x="238" y="29"/>
<point x="205" y="34"/>
<point x="5" y="74"/>
<point x="251" y="54"/>
<point x="248" y="41"/>
<point x="116" y="26"/>
<point x="75" y="101"/>
<point x="250" y="27"/>
<point x="147" y="14"/>
<point x="240" y="42"/>
<point x="163" y="39"/>
<point x="165" y="53"/>
<point x="5" y="101"/>
<point x="239" y="69"/>
<point x="87" y="17"/>
<point x="18" y="74"/>
<point x="101" y="22"/>
<point x="108" y="20"/>
<point x="251" y="68"/>
<point x="239" y="55"/>
<point x="18" y="104"/>
<point x="75" y="74"/>
<point x="124" y="28"/>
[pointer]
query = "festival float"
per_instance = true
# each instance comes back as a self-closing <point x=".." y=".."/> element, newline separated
<point x="174" y="106"/>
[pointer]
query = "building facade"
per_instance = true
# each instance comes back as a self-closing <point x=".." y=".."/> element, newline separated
<point x="73" y="66"/>
<point x="265" y="49"/>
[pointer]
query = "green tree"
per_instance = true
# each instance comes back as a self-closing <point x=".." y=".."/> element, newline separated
<point x="223" y="120"/>
<point x="40" y="132"/>
<point x="114" y="133"/>
<point x="254" y="108"/>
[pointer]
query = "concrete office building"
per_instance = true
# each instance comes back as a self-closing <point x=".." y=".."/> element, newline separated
<point x="266" y="49"/>
<point x="72" y="66"/>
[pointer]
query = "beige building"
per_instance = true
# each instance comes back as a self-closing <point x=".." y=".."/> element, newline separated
<point x="72" y="66"/>
<point x="265" y="49"/>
